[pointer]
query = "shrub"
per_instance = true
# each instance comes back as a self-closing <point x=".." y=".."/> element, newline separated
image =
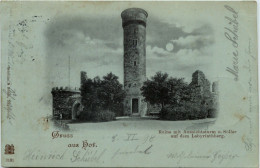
<point x="118" y="109"/>
<point x="196" y="110"/>
<point x="189" y="111"/>
<point x="85" y="115"/>
<point x="212" y="113"/>
<point x="104" y="116"/>
<point x="174" y="113"/>
<point x="97" y="116"/>
<point x="199" y="112"/>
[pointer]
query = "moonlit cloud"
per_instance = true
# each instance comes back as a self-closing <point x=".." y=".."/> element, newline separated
<point x="95" y="45"/>
<point x="159" y="52"/>
<point x="193" y="42"/>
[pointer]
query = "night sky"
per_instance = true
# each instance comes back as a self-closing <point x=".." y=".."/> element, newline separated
<point x="95" y="45"/>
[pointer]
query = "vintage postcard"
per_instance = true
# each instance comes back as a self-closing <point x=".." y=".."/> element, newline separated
<point x="129" y="84"/>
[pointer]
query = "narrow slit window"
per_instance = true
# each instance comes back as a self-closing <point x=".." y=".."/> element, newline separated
<point x="134" y="43"/>
<point x="134" y="63"/>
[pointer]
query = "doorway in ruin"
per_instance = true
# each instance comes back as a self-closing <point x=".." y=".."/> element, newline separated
<point x="135" y="106"/>
<point x="75" y="110"/>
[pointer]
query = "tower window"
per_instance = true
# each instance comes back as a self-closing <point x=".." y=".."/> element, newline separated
<point x="134" y="63"/>
<point x="134" y="43"/>
<point x="135" y="31"/>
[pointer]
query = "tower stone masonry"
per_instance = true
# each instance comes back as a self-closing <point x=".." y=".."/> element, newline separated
<point x="134" y="25"/>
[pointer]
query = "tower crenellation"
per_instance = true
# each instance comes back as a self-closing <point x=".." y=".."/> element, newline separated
<point x="65" y="89"/>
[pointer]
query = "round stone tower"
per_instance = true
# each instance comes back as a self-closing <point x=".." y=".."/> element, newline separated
<point x="134" y="25"/>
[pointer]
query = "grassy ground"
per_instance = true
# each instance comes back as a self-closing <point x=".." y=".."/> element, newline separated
<point x="148" y="124"/>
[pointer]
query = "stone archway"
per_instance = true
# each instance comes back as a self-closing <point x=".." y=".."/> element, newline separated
<point x="76" y="108"/>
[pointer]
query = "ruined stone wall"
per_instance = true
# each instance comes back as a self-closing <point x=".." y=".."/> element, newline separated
<point x="201" y="95"/>
<point x="83" y="78"/>
<point x="215" y="87"/>
<point x="215" y="95"/>
<point x="200" y="86"/>
<point x="134" y="24"/>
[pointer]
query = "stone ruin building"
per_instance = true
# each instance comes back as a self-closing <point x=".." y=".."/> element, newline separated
<point x="66" y="103"/>
<point x="200" y="86"/>
<point x="201" y="91"/>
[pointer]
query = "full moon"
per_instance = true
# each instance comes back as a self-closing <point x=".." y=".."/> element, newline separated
<point x="169" y="47"/>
